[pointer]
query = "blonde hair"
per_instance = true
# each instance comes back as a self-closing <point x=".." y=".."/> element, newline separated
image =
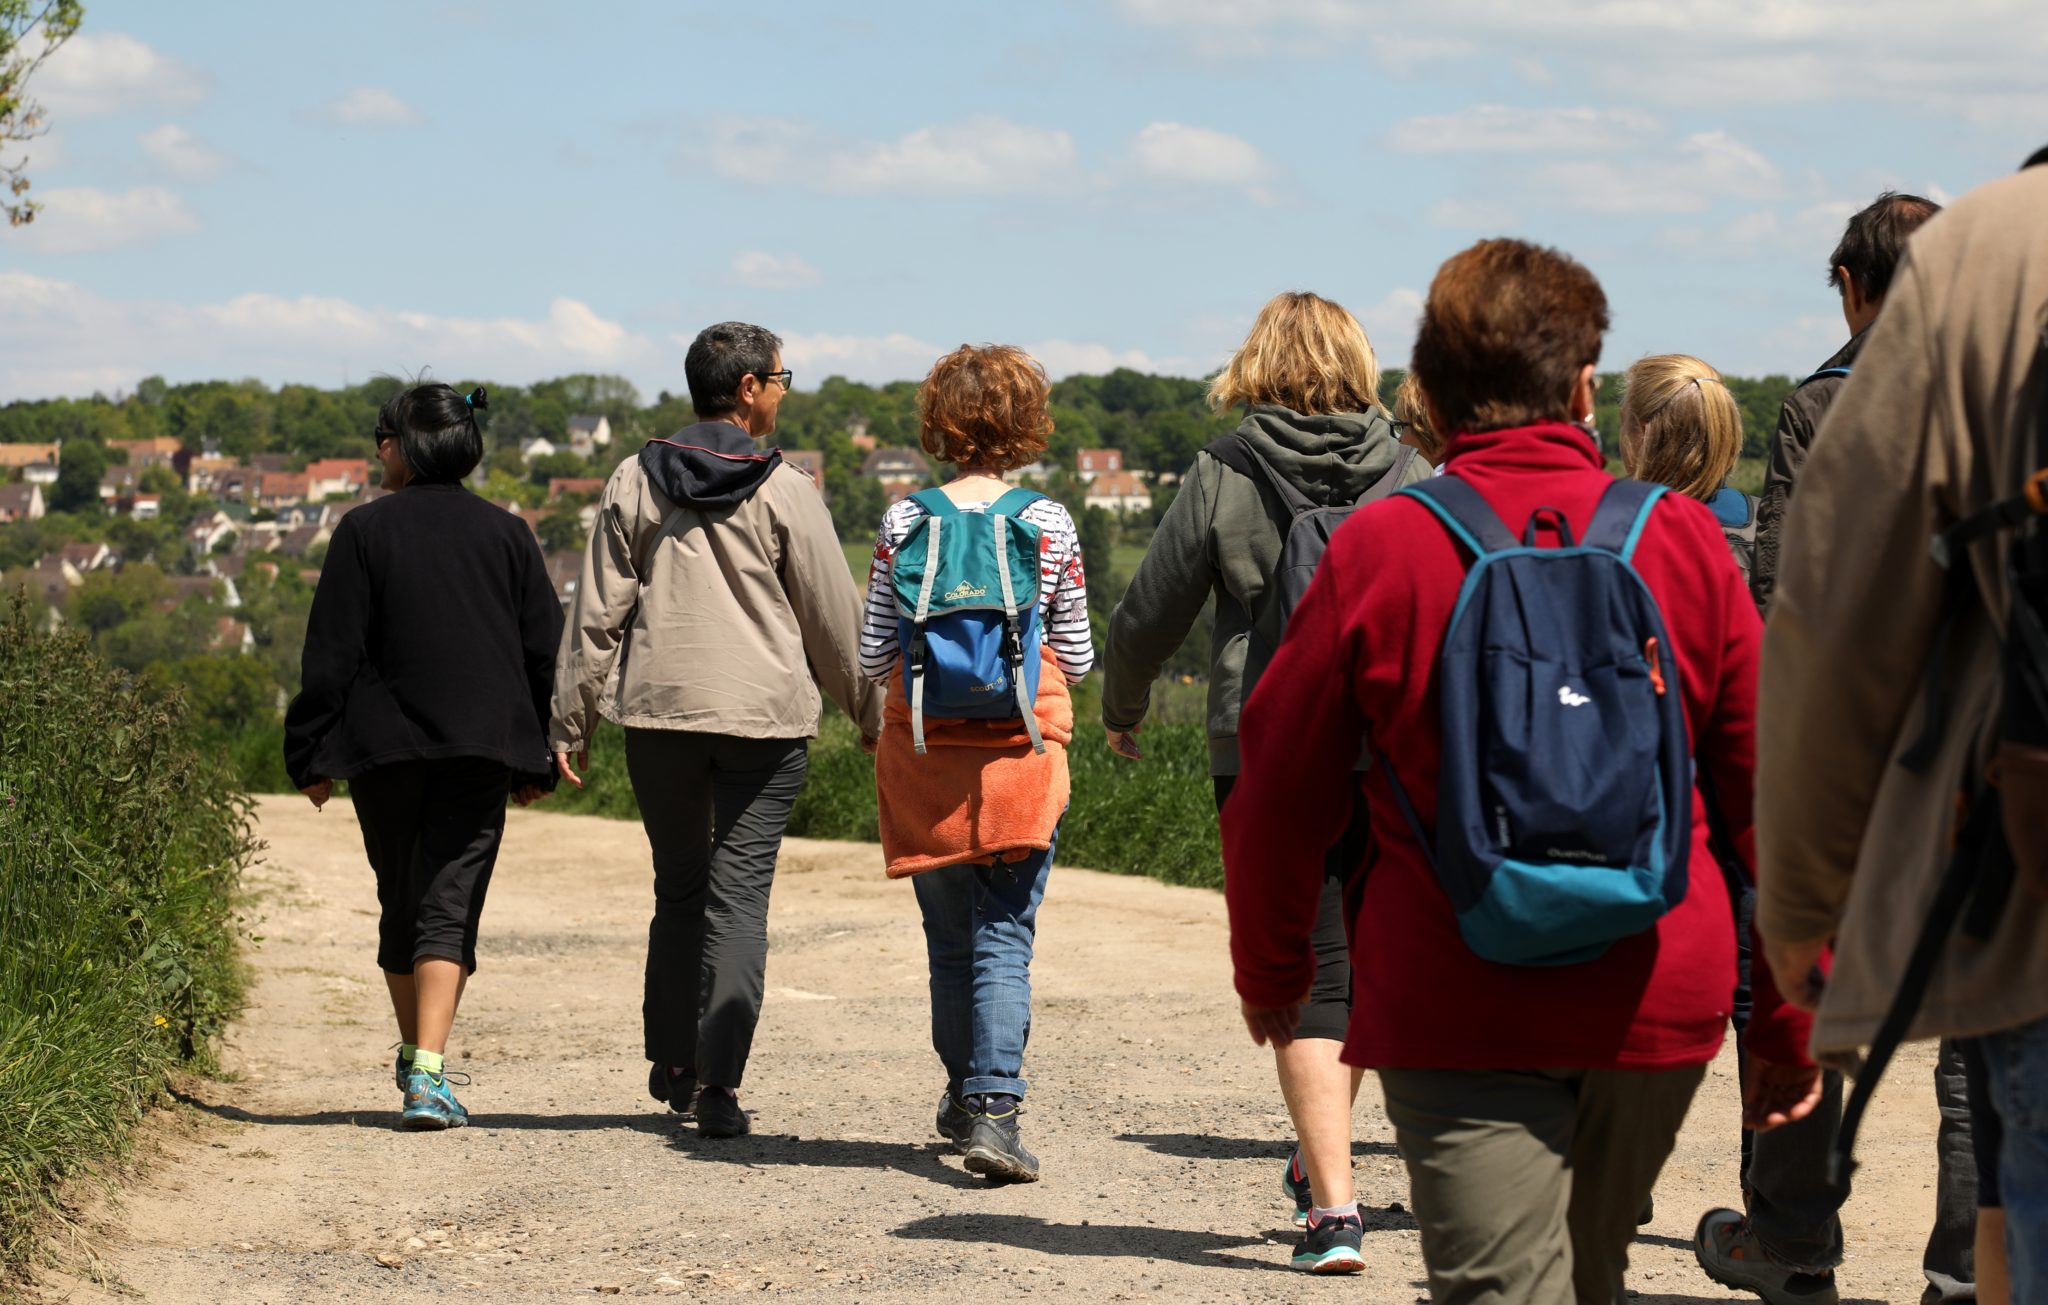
<point x="1411" y="412"/>
<point x="1304" y="352"/>
<point x="1679" y="425"/>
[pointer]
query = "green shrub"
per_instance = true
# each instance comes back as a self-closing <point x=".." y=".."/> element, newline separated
<point x="121" y="848"/>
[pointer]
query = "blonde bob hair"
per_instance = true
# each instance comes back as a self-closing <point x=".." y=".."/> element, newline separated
<point x="1304" y="352"/>
<point x="1679" y="425"/>
<point x="1411" y="414"/>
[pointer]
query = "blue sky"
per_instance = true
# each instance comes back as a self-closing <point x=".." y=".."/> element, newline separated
<point x="515" y="190"/>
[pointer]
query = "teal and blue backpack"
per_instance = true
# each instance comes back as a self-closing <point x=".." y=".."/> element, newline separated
<point x="1564" y="799"/>
<point x="967" y="604"/>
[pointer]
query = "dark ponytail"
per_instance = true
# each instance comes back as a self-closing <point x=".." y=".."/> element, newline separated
<point x="438" y="431"/>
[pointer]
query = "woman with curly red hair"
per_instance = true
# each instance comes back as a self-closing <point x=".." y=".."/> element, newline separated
<point x="971" y="805"/>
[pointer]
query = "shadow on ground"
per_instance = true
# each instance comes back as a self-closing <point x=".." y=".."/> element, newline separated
<point x="388" y="1119"/>
<point x="1199" y="1146"/>
<point x="1180" y="1245"/>
<point x="919" y="1160"/>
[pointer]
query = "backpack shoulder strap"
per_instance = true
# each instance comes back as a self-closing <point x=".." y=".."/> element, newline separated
<point x="1464" y="513"/>
<point x="1822" y="374"/>
<point x="1623" y="512"/>
<point x="1014" y="502"/>
<point x="1237" y="453"/>
<point x="1395" y="477"/>
<point x="935" y="502"/>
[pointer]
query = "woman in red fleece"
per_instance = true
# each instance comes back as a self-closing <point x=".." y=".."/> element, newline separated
<point x="1533" y="1106"/>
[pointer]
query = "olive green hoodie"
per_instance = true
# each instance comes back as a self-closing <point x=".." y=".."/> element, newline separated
<point x="1223" y="535"/>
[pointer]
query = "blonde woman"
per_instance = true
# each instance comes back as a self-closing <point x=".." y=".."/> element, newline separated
<point x="1680" y="427"/>
<point x="1313" y="434"/>
<point x="1411" y="419"/>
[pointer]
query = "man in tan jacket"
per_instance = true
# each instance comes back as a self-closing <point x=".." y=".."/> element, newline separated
<point x="1934" y="425"/>
<point x="714" y="601"/>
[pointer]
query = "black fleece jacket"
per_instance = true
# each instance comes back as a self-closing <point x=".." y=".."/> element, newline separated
<point x="433" y="634"/>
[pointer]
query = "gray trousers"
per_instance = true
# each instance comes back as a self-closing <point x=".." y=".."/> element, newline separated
<point x="1527" y="1183"/>
<point x="714" y="808"/>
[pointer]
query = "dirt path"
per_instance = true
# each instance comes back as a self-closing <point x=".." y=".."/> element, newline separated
<point x="1157" y="1121"/>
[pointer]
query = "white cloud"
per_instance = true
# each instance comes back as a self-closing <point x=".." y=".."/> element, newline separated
<point x="108" y="72"/>
<point x="48" y="326"/>
<point x="983" y="155"/>
<point x="1390" y="325"/>
<point x="181" y="154"/>
<point x="1472" y="215"/>
<point x="1705" y="168"/>
<point x="371" y="106"/>
<point x="1512" y="129"/>
<point x="85" y="220"/>
<point x="1173" y="151"/>
<point x="765" y="271"/>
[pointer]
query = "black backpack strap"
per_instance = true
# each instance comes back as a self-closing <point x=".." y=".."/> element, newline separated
<point x="1469" y="516"/>
<point x="1619" y="519"/>
<point x="1822" y="375"/>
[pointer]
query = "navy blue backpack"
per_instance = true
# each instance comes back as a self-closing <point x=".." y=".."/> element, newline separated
<point x="1564" y="802"/>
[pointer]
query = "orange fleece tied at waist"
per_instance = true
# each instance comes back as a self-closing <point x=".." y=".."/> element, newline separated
<point x="979" y="793"/>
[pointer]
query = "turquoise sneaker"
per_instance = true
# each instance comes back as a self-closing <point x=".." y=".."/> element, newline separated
<point x="430" y="1104"/>
<point x="1295" y="1182"/>
<point x="401" y="1070"/>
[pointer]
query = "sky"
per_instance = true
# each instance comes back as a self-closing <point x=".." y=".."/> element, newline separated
<point x="511" y="191"/>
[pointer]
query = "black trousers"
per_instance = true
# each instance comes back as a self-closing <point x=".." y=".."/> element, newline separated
<point x="714" y="808"/>
<point x="432" y="831"/>
<point x="1327" y="1013"/>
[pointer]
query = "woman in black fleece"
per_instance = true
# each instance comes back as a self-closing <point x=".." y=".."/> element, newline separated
<point x="429" y="660"/>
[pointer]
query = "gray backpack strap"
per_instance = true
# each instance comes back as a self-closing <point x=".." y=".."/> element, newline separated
<point x="924" y="611"/>
<point x="1397" y="476"/>
<point x="1013" y="634"/>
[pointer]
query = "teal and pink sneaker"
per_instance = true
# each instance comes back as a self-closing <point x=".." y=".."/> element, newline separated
<point x="1332" y="1245"/>
<point x="1295" y="1183"/>
<point x="430" y="1104"/>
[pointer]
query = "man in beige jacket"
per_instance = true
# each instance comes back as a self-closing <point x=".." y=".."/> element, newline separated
<point x="1933" y="426"/>
<point x="714" y="601"/>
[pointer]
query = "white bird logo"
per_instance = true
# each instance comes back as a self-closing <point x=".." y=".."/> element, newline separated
<point x="1570" y="699"/>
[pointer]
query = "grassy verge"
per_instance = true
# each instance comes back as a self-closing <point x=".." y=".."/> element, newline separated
<point x="121" y="847"/>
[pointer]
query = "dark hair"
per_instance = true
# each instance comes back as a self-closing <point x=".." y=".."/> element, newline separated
<point x="1876" y="240"/>
<point x="720" y="358"/>
<point x="1506" y="329"/>
<point x="437" y="429"/>
<point x="2036" y="159"/>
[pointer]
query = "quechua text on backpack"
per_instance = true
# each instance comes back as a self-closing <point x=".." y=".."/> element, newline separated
<point x="1564" y="801"/>
<point x="967" y="587"/>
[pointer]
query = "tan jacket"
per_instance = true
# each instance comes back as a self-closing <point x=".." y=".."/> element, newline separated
<point x="721" y="621"/>
<point x="1930" y="427"/>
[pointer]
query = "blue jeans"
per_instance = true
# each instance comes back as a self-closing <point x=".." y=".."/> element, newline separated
<point x="980" y="922"/>
<point x="2016" y="1064"/>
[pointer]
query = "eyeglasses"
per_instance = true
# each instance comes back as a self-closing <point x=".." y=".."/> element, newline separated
<point x="782" y="378"/>
<point x="379" y="435"/>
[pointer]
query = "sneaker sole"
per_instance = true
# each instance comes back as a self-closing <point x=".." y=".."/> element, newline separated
<point x="1338" y="1259"/>
<point x="1300" y="1218"/>
<point x="424" y="1123"/>
<point x="991" y="1164"/>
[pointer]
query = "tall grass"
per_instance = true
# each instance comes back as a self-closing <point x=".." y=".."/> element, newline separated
<point x="121" y="847"/>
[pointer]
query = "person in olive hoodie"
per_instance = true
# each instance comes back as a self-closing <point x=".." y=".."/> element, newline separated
<point x="714" y="600"/>
<point x="430" y="652"/>
<point x="1309" y="382"/>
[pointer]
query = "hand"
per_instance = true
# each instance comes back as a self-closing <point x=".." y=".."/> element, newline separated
<point x="1778" y="1094"/>
<point x="870" y="744"/>
<point x="528" y="794"/>
<point x="1124" y="742"/>
<point x="318" y="792"/>
<point x="1274" y="1024"/>
<point x="1796" y="967"/>
<point x="567" y="771"/>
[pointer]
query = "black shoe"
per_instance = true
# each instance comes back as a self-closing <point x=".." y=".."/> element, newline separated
<point x="993" y="1147"/>
<point x="1333" y="1245"/>
<point x="678" y="1087"/>
<point x="719" y="1114"/>
<point x="956" y="1121"/>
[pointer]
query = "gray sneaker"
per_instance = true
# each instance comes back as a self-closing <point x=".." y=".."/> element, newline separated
<point x="994" y="1149"/>
<point x="1732" y="1256"/>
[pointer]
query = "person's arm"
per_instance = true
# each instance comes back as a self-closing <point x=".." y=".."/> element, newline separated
<point x="878" y="650"/>
<point x="540" y="635"/>
<point x="1787" y="457"/>
<point x="607" y="591"/>
<point x="1300" y="739"/>
<point x="827" y="606"/>
<point x="337" y="633"/>
<point x="1161" y="604"/>
<point x="1068" y="630"/>
<point x="1857" y="605"/>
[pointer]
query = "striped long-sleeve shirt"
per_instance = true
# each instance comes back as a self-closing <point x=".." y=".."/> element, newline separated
<point x="1062" y="588"/>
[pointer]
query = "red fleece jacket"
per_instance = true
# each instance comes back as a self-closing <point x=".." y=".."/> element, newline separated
<point x="1361" y="656"/>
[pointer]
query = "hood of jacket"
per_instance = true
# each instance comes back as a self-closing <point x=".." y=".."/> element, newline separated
<point x="1331" y="457"/>
<point x="713" y="464"/>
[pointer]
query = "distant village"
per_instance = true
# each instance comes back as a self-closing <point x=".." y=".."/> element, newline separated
<point x="262" y="512"/>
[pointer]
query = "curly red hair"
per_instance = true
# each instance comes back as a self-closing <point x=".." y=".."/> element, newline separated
<point x="985" y="406"/>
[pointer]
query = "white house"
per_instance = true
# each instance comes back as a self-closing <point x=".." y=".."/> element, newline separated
<point x="1118" y="491"/>
<point x="207" y="531"/>
<point x="40" y="473"/>
<point x="21" y="502"/>
<point x="1090" y="463"/>
<point x="588" y="432"/>
<point x="536" y="448"/>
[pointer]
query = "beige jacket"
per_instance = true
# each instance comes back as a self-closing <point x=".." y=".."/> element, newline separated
<point x="1930" y="427"/>
<point x="721" y="621"/>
